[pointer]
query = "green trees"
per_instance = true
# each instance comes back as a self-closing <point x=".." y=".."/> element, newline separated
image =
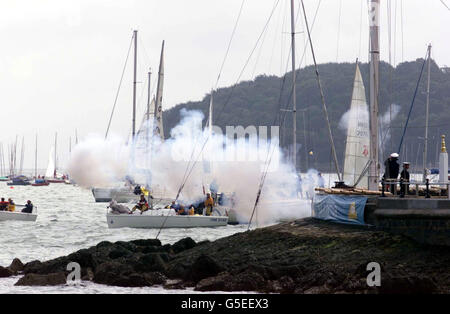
<point x="258" y="102"/>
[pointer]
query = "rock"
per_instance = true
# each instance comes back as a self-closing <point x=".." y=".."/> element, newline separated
<point x="32" y="267"/>
<point x="317" y="290"/>
<point x="119" y="251"/>
<point x="16" y="266"/>
<point x="87" y="274"/>
<point x="52" y="279"/>
<point x="407" y="285"/>
<point x="204" y="267"/>
<point x="5" y="272"/>
<point x="217" y="283"/>
<point x="109" y="273"/>
<point x="127" y="245"/>
<point x="104" y="244"/>
<point x="83" y="257"/>
<point x="183" y="244"/>
<point x="286" y="285"/>
<point x="151" y="262"/>
<point x="246" y="281"/>
<point x="147" y="242"/>
<point x="151" y="249"/>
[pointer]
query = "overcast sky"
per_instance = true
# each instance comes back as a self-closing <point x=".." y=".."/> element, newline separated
<point x="61" y="60"/>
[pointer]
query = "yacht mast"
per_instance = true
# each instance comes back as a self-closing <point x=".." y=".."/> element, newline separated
<point x="425" y="146"/>
<point x="148" y="96"/>
<point x="35" y="159"/>
<point x="54" y="171"/>
<point x="294" y="100"/>
<point x="134" y="84"/>
<point x="374" y="51"/>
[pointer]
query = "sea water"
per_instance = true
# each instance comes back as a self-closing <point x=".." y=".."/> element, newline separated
<point x="69" y="220"/>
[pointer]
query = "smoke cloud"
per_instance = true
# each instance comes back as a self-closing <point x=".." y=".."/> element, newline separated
<point x="234" y="165"/>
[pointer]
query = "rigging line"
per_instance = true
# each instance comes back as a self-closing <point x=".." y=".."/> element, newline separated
<point x="282" y="121"/>
<point x="360" y="30"/>
<point x="229" y="43"/>
<point x="401" y="28"/>
<point x="118" y="89"/>
<point x="248" y="60"/>
<point x="300" y="61"/>
<point x="339" y="30"/>
<point x="412" y="103"/>
<point x="448" y="8"/>
<point x="321" y="94"/>
<point x="275" y="39"/>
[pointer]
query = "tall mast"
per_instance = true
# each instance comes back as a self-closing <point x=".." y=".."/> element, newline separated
<point x="294" y="100"/>
<point x="134" y="85"/>
<point x="425" y="146"/>
<point x="159" y="95"/>
<point x="35" y="159"/>
<point x="148" y="94"/>
<point x="374" y="51"/>
<point x="56" y="139"/>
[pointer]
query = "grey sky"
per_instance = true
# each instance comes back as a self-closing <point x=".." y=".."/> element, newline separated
<point x="61" y="61"/>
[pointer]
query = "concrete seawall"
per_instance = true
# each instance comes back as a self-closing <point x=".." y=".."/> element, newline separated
<point x="425" y="220"/>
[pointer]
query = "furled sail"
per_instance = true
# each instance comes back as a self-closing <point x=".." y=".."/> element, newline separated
<point x="358" y="140"/>
<point x="159" y="92"/>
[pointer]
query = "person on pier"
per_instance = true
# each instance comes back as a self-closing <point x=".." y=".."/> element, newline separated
<point x="391" y="171"/>
<point x="404" y="176"/>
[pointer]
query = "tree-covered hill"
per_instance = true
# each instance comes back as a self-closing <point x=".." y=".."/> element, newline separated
<point x="259" y="101"/>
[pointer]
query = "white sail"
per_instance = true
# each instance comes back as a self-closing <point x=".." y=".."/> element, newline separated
<point x="358" y="140"/>
<point x="49" y="173"/>
<point x="159" y="92"/>
<point x="207" y="154"/>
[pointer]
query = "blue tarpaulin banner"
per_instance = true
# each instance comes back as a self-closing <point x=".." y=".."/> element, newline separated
<point x="339" y="208"/>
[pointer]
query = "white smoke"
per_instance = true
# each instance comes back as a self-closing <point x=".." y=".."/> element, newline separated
<point x="234" y="165"/>
<point x="359" y="114"/>
<point x="385" y="132"/>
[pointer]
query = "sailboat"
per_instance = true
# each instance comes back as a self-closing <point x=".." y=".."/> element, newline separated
<point x="358" y="141"/>
<point x="38" y="181"/>
<point x="51" y="175"/>
<point x="125" y="193"/>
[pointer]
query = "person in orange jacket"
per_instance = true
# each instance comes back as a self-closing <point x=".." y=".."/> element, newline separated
<point x="209" y="203"/>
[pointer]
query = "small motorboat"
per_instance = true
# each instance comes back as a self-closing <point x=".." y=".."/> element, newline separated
<point x="56" y="180"/>
<point x="163" y="218"/>
<point x="121" y="195"/>
<point x="20" y="180"/>
<point x="17" y="215"/>
<point x="4" y="179"/>
<point x="40" y="182"/>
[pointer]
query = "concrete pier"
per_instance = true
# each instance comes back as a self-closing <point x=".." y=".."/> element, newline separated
<point x="425" y="220"/>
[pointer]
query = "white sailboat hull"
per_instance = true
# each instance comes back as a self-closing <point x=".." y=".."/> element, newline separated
<point x="157" y="221"/>
<point x="6" y="215"/>
<point x="108" y="194"/>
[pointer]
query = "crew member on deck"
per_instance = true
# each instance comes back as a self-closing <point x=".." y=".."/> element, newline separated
<point x="391" y="171"/>
<point x="142" y="205"/>
<point x="404" y="188"/>
<point x="28" y="207"/>
<point x="3" y="204"/>
<point x="11" y="205"/>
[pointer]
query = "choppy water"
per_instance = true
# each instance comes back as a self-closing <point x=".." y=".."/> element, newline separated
<point x="68" y="220"/>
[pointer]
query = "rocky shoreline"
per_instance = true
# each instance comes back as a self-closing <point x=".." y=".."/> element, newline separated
<point x="302" y="256"/>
